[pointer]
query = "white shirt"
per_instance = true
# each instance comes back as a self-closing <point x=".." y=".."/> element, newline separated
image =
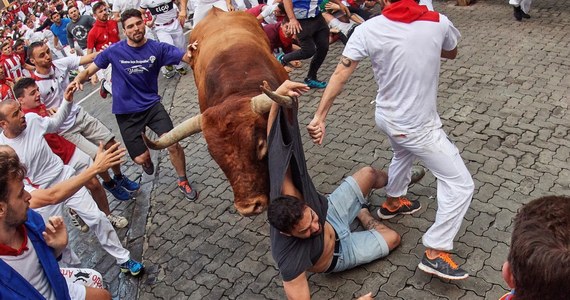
<point x="122" y="5"/>
<point x="28" y="265"/>
<point x="53" y="85"/>
<point x="406" y="63"/>
<point x="42" y="164"/>
<point x="163" y="11"/>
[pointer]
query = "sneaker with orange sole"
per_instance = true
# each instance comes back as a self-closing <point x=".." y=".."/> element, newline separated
<point x="443" y="266"/>
<point x="405" y="207"/>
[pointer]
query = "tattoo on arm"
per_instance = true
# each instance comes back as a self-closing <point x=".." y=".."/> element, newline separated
<point x="372" y="224"/>
<point x="345" y="61"/>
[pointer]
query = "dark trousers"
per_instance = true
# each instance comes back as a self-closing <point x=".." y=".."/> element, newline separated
<point x="314" y="42"/>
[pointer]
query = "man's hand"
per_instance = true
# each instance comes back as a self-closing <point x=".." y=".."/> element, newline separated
<point x="294" y="26"/>
<point x="69" y="91"/>
<point x="292" y="88"/>
<point x="316" y="130"/>
<point x="56" y="234"/>
<point x="366" y="297"/>
<point x="345" y="10"/>
<point x="182" y="19"/>
<point x="106" y="159"/>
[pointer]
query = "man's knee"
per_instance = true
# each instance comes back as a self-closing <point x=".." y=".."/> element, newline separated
<point x="392" y="238"/>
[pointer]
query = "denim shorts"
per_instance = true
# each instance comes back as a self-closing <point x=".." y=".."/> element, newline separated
<point x="356" y="248"/>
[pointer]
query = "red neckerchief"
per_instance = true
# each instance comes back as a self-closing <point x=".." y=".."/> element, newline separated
<point x="408" y="11"/>
<point x="9" y="251"/>
<point x="35" y="75"/>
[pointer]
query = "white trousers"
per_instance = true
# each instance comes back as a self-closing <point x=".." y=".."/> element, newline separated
<point x="172" y="34"/>
<point x="78" y="279"/>
<point x="202" y="9"/>
<point x="524" y="4"/>
<point x="454" y="183"/>
<point x="87" y="209"/>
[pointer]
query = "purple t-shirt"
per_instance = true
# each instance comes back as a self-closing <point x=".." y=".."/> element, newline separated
<point x="135" y="73"/>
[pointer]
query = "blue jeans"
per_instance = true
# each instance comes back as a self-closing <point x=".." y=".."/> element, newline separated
<point x="356" y="248"/>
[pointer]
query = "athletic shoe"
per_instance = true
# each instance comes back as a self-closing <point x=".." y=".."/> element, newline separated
<point x="525" y="15"/>
<point x="518" y="13"/>
<point x="77" y="221"/>
<point x="148" y="168"/>
<point x="406" y="207"/>
<point x="417" y="174"/>
<point x="127" y="184"/>
<point x="118" y="221"/>
<point x="182" y="71"/>
<point x="280" y="59"/>
<point x="132" y="266"/>
<point x="187" y="190"/>
<point x="102" y="90"/>
<point x="315" y="84"/>
<point x="169" y="68"/>
<point x="442" y="266"/>
<point x="118" y="191"/>
<point x="169" y="74"/>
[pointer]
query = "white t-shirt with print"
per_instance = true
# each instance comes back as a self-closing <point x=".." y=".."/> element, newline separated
<point x="163" y="11"/>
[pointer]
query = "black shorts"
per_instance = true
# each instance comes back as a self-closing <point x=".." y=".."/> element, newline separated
<point x="132" y="125"/>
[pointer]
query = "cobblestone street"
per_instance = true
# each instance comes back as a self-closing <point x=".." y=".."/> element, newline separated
<point x="503" y="101"/>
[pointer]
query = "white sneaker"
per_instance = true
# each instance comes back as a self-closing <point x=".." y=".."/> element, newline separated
<point x="118" y="221"/>
<point x="77" y="221"/>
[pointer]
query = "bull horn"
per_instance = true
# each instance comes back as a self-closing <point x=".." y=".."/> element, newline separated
<point x="262" y="102"/>
<point x="183" y="130"/>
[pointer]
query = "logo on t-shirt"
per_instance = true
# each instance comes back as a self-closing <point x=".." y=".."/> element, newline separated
<point x="138" y="66"/>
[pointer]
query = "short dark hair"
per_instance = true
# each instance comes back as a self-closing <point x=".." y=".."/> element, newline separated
<point x="4" y="44"/>
<point x="53" y="13"/>
<point x="18" y="43"/>
<point x="21" y="85"/>
<point x="130" y="13"/>
<point x="10" y="168"/>
<point x="540" y="249"/>
<point x="285" y="212"/>
<point x="33" y="46"/>
<point x="97" y="5"/>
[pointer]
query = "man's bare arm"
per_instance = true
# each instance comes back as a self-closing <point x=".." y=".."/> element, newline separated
<point x="65" y="189"/>
<point x="297" y="288"/>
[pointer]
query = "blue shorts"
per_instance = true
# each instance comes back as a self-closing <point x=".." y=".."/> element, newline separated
<point x="356" y="248"/>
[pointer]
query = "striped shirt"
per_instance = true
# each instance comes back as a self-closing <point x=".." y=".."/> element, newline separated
<point x="13" y="67"/>
<point x="304" y="9"/>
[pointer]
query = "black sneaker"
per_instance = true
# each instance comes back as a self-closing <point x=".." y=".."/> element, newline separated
<point x="442" y="266"/>
<point x="407" y="207"/>
<point x="148" y="168"/>
<point x="102" y="90"/>
<point x="518" y="13"/>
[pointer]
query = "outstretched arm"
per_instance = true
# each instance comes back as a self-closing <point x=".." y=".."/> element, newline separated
<point x="65" y="189"/>
<point x="344" y="69"/>
<point x="297" y="288"/>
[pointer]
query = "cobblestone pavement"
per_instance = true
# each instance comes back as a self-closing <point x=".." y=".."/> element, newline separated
<point x="503" y="101"/>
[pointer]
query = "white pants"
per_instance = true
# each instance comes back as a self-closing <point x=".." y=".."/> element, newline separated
<point x="202" y="9"/>
<point x="87" y="209"/>
<point x="172" y="34"/>
<point x="524" y="4"/>
<point x="454" y="183"/>
<point x="78" y="278"/>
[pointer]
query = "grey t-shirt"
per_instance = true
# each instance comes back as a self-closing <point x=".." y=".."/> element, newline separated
<point x="77" y="31"/>
<point x="293" y="255"/>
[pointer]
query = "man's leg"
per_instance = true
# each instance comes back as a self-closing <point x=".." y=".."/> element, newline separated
<point x="321" y="39"/>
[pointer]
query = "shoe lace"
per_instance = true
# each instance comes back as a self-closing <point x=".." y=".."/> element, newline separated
<point x="185" y="185"/>
<point x="447" y="258"/>
<point x="404" y="201"/>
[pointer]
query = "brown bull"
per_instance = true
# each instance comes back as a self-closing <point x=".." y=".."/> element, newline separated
<point x="231" y="60"/>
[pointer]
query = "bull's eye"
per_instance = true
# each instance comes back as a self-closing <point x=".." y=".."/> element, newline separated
<point x="256" y="207"/>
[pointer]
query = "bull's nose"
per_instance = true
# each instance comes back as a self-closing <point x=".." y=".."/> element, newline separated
<point x="255" y="206"/>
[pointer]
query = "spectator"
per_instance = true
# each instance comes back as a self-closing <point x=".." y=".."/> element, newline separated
<point x="80" y="128"/>
<point x="78" y="30"/>
<point x="6" y="85"/>
<point x="25" y="135"/>
<point x="12" y="63"/>
<point x="29" y="246"/>
<point x="538" y="265"/>
<point x="59" y="29"/>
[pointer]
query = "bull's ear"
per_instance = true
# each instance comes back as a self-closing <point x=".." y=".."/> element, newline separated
<point x="261" y="148"/>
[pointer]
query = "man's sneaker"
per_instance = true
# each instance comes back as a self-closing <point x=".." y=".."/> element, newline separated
<point x="118" y="221"/>
<point x="118" y="191"/>
<point x="442" y="266"/>
<point x="127" y="184"/>
<point x="187" y="190"/>
<point x="417" y="174"/>
<point x="102" y="91"/>
<point x="169" y="68"/>
<point x="148" y="168"/>
<point x="518" y="13"/>
<point x="132" y="266"/>
<point x="182" y="71"/>
<point x="170" y="72"/>
<point x="315" y="84"/>
<point x="406" y="207"/>
<point x="77" y="221"/>
<point x="280" y="59"/>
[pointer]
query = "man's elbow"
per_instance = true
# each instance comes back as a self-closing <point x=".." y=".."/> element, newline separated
<point x="451" y="54"/>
